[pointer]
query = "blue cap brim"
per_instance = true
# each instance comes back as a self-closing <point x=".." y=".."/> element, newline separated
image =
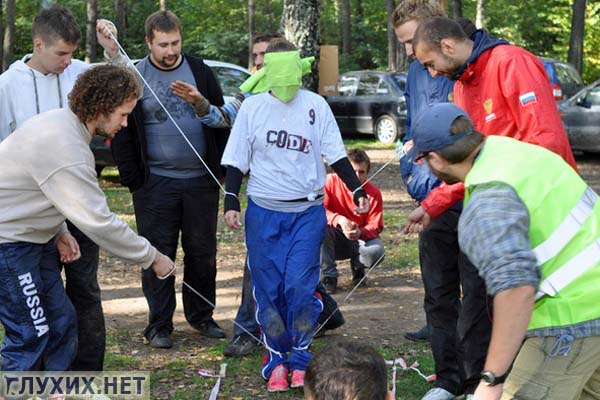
<point x="412" y="154"/>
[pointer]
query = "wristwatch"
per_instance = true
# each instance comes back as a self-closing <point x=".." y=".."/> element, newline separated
<point x="490" y="379"/>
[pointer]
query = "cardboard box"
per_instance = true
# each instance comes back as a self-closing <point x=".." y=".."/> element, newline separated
<point x="329" y="71"/>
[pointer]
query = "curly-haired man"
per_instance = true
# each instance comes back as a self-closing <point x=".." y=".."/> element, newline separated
<point x="47" y="176"/>
<point x="39" y="82"/>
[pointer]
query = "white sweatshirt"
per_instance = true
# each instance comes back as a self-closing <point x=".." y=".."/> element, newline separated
<point x="25" y="92"/>
<point x="46" y="176"/>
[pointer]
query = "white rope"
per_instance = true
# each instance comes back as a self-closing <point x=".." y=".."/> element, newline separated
<point x="369" y="179"/>
<point x="214" y="306"/>
<point x="168" y="113"/>
<point x="122" y="50"/>
<point x="206" y="166"/>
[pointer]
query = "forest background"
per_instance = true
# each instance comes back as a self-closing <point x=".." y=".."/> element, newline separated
<point x="567" y="30"/>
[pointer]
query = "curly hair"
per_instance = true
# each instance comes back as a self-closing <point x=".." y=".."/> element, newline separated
<point x="100" y="90"/>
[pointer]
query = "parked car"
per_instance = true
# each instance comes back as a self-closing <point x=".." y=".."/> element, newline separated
<point x="581" y="117"/>
<point x="230" y="76"/>
<point x="371" y="102"/>
<point x="564" y="79"/>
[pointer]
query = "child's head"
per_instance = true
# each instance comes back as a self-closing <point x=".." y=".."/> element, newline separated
<point x="346" y="371"/>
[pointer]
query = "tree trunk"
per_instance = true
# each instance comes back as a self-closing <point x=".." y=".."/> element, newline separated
<point x="1" y="37"/>
<point x="300" y="23"/>
<point x="121" y="18"/>
<point x="91" y="42"/>
<point x="9" y="35"/>
<point x="444" y="4"/>
<point x="392" y="42"/>
<point x="346" y="27"/>
<point x="577" y="31"/>
<point x="269" y="13"/>
<point x="163" y="5"/>
<point x="250" y="31"/>
<point x="480" y="16"/>
<point x="456" y="9"/>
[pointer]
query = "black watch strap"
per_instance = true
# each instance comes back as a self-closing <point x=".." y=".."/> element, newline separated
<point x="490" y="379"/>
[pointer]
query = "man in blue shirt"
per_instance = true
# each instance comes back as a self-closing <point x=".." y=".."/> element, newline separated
<point x="444" y="269"/>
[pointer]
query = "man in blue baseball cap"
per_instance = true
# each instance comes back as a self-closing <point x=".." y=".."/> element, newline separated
<point x="531" y="226"/>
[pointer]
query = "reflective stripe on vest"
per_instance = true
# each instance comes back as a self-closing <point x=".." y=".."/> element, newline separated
<point x="569" y="227"/>
<point x="559" y="239"/>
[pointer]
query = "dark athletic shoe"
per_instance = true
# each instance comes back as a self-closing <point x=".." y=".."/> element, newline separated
<point x="162" y="340"/>
<point x="330" y="284"/>
<point x="210" y="329"/>
<point x="422" y="335"/>
<point x="241" y="346"/>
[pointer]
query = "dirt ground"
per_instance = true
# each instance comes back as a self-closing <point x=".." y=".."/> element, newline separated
<point x="389" y="305"/>
<point x="379" y="313"/>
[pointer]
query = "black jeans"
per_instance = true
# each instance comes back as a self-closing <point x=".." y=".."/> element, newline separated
<point x="163" y="208"/>
<point x="84" y="292"/>
<point x="460" y="330"/>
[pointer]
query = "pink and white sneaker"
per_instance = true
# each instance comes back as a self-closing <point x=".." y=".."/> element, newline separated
<point x="298" y="378"/>
<point x="278" y="380"/>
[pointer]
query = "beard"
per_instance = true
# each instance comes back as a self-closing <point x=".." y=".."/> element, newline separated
<point x="167" y="62"/>
<point x="449" y="179"/>
<point x="453" y="68"/>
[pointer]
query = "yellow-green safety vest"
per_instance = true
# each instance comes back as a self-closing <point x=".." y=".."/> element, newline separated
<point x="564" y="228"/>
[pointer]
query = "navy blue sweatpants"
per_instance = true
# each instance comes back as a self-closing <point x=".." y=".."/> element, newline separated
<point x="283" y="258"/>
<point x="38" y="318"/>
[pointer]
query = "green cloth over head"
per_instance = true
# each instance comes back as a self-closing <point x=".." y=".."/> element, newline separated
<point x="258" y="83"/>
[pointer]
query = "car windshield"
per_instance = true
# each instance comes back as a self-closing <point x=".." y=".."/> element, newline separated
<point x="230" y="79"/>
<point x="400" y="79"/>
<point x="568" y="74"/>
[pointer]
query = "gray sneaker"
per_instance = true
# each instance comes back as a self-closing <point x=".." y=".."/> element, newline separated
<point x="438" y="394"/>
<point x="241" y="346"/>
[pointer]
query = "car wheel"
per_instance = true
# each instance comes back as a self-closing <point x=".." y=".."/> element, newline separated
<point x="99" y="169"/>
<point x="386" y="130"/>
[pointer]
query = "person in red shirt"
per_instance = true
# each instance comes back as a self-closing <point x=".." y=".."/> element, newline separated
<point x="504" y="89"/>
<point x="349" y="235"/>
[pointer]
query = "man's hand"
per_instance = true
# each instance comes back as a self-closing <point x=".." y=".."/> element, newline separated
<point x="407" y="146"/>
<point x="363" y="206"/>
<point x="485" y="392"/>
<point x="163" y="266"/>
<point x="418" y="220"/>
<point x="233" y="219"/>
<point x="68" y="248"/>
<point x="349" y="228"/>
<point x="103" y="27"/>
<point x="190" y="94"/>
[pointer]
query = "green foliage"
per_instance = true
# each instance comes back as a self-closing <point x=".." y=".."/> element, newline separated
<point x="218" y="29"/>
<point x="543" y="27"/>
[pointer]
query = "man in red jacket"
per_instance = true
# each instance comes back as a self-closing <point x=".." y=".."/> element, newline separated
<point x="350" y="235"/>
<point x="503" y="88"/>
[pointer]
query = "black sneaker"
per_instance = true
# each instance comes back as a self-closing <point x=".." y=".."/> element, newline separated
<point x="334" y="322"/>
<point x="210" y="329"/>
<point x="357" y="275"/>
<point x="162" y="340"/>
<point x="330" y="284"/>
<point x="422" y="335"/>
<point x="241" y="345"/>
